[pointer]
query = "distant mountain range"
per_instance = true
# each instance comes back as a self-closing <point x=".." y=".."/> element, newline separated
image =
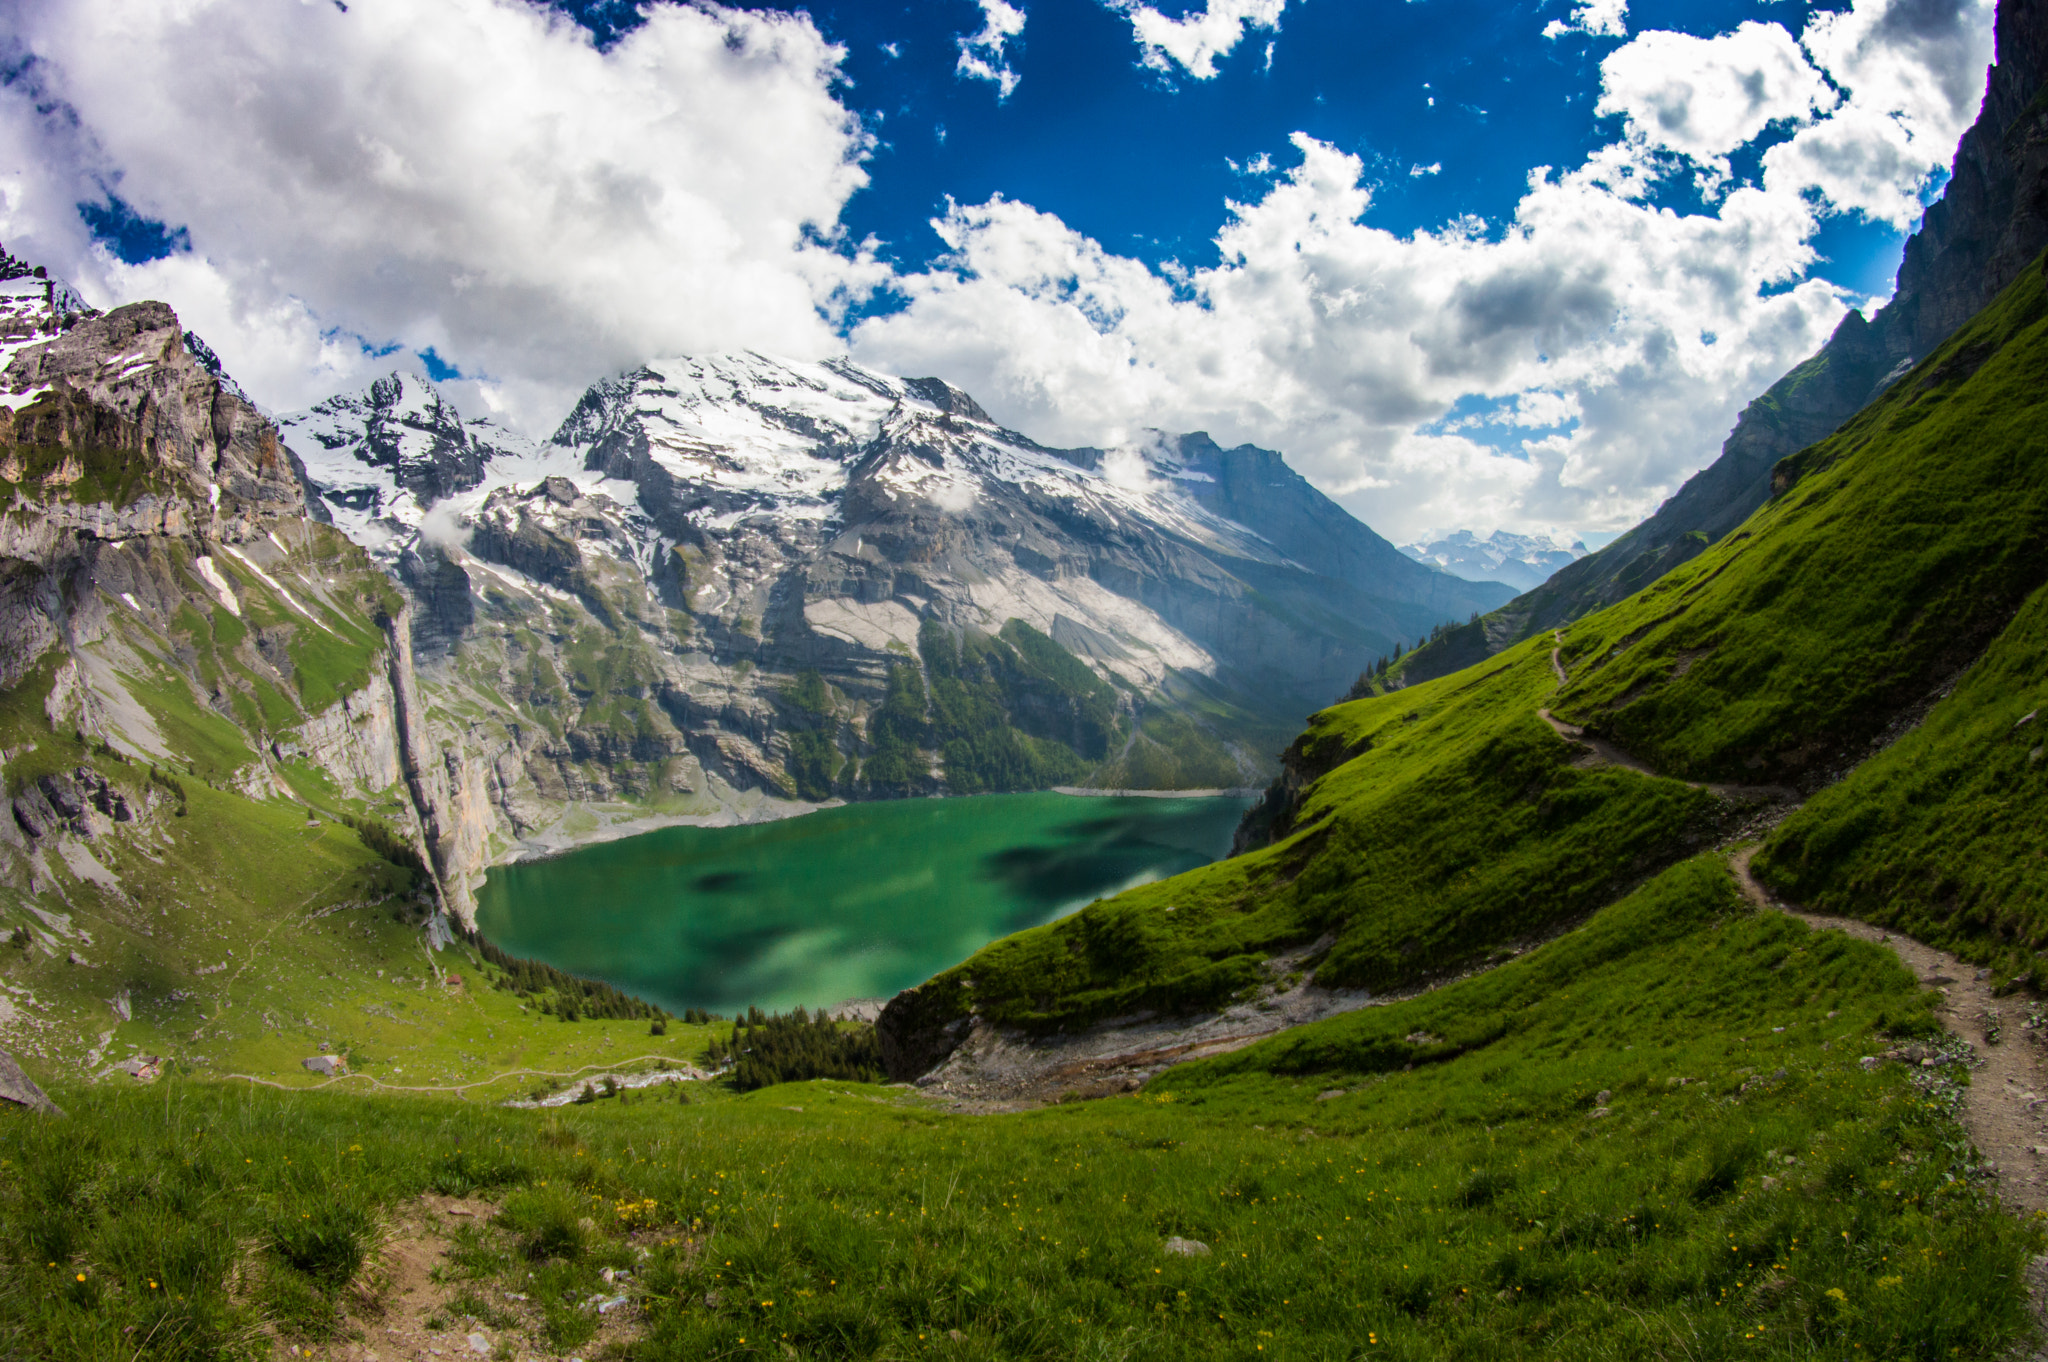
<point x="1522" y="561"/>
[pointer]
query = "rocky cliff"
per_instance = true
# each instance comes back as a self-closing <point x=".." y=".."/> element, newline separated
<point x="1990" y="222"/>
<point x="168" y="610"/>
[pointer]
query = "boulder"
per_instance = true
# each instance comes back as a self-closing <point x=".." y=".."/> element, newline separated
<point x="17" y="1088"/>
<point x="333" y="1066"/>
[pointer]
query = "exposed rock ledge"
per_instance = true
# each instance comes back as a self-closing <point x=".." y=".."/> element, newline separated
<point x="993" y="1070"/>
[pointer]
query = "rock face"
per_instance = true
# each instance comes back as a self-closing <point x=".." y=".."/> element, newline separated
<point x="118" y="404"/>
<point x="82" y="802"/>
<point x="1990" y="223"/>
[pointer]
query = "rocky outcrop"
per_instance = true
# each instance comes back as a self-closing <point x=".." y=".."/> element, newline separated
<point x="1990" y="223"/>
<point x="119" y="409"/>
<point x="81" y="802"/>
<point x="18" y="1090"/>
<point x="354" y="740"/>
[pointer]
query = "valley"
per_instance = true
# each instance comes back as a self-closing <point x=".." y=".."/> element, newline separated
<point x="434" y="856"/>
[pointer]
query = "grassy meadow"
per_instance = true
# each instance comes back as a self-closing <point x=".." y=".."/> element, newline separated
<point x="1654" y="1138"/>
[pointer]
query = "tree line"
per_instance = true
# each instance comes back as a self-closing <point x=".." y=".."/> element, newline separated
<point x="770" y="1048"/>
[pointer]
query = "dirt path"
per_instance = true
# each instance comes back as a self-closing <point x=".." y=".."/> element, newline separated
<point x="2005" y="1107"/>
<point x="1604" y="753"/>
<point x="593" y="1070"/>
<point x="410" y="1306"/>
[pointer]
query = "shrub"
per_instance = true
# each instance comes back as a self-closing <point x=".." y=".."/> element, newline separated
<point x="328" y="1243"/>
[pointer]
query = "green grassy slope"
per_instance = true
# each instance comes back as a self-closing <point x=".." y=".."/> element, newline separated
<point x="237" y="932"/>
<point x="1905" y="543"/>
<point x="1750" y="1190"/>
<point x="1940" y="835"/>
<point x="241" y="938"/>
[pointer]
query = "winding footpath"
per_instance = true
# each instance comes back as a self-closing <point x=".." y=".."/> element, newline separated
<point x="682" y="1073"/>
<point x="2005" y="1105"/>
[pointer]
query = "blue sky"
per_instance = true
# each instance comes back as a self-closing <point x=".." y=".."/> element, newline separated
<point x="1143" y="162"/>
<point x="1316" y="229"/>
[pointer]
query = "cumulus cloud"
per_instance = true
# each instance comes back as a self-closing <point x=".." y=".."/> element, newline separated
<point x="1337" y="341"/>
<point x="1873" y="97"/>
<point x="1193" y="42"/>
<point x="1913" y="71"/>
<point x="472" y="175"/>
<point x="1595" y="18"/>
<point x="985" y="55"/>
<point x="1704" y="97"/>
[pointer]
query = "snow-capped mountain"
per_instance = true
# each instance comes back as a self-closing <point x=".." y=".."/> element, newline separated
<point x="647" y="586"/>
<point x="1521" y="561"/>
<point x="382" y="457"/>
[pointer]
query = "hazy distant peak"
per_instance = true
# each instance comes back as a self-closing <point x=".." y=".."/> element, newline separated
<point x="1521" y="561"/>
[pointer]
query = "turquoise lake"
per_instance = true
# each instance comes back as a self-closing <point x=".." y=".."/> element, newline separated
<point x="854" y="902"/>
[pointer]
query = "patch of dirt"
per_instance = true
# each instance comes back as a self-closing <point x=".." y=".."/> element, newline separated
<point x="2005" y="1107"/>
<point x="997" y="1071"/>
<point x="404" y="1311"/>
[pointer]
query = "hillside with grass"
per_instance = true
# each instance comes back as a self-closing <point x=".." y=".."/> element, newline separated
<point x="1422" y="831"/>
<point x="1657" y="1127"/>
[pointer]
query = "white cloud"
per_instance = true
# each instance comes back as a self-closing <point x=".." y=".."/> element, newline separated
<point x="985" y="55"/>
<point x="1704" y="97"/>
<point x="471" y="175"/>
<point x="1595" y="18"/>
<point x="1418" y="170"/>
<point x="1914" y="73"/>
<point x="1923" y="60"/>
<point x="1337" y="342"/>
<point x="1194" y="41"/>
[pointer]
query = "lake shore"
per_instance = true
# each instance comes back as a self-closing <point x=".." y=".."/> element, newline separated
<point x="583" y="825"/>
<point x="1231" y="792"/>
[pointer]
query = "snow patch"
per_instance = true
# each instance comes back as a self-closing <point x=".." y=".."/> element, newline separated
<point x="212" y="577"/>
